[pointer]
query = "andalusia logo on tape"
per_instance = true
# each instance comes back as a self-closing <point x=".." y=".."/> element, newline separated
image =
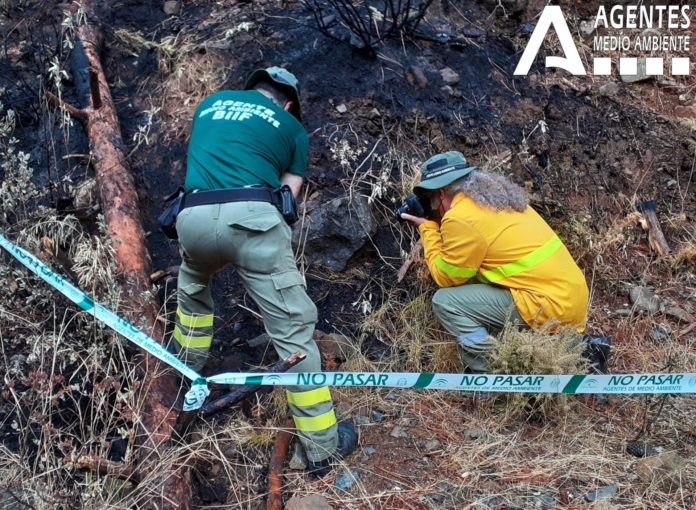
<point x="636" y="383"/>
<point x="650" y="40"/>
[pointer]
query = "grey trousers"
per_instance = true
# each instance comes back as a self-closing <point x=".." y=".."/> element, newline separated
<point x="254" y="238"/>
<point x="472" y="313"/>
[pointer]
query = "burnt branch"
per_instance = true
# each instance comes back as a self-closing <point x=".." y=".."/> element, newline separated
<point x="235" y="396"/>
<point x="275" y="466"/>
<point x="368" y="24"/>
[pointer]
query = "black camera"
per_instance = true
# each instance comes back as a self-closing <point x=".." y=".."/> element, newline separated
<point x="415" y="206"/>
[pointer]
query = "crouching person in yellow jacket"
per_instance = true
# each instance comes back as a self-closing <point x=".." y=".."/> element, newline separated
<point x="488" y="231"/>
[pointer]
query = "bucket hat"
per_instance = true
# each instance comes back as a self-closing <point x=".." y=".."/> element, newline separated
<point x="282" y="78"/>
<point x="442" y="170"/>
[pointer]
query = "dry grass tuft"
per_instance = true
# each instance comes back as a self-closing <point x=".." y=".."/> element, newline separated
<point x="538" y="352"/>
<point x="408" y="325"/>
<point x="690" y="123"/>
<point x="685" y="256"/>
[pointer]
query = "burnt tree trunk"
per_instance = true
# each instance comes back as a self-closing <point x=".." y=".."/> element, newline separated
<point x="119" y="202"/>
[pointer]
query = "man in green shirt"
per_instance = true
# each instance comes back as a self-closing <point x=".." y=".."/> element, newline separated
<point x="246" y="142"/>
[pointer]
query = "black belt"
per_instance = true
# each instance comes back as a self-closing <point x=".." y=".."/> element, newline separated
<point x="281" y="198"/>
<point x="222" y="196"/>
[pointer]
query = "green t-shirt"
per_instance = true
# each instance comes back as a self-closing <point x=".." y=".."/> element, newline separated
<point x="241" y="138"/>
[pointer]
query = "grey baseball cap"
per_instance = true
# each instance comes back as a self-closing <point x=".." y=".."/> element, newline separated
<point x="281" y="78"/>
<point x="442" y="170"/>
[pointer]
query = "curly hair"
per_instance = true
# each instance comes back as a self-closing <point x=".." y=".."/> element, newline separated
<point x="490" y="190"/>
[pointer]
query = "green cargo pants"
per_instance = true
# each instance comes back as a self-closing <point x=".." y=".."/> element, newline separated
<point x="471" y="313"/>
<point x="254" y="238"/>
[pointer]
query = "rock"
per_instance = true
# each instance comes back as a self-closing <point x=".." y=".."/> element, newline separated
<point x="671" y="184"/>
<point x="587" y="27"/>
<point x="685" y="111"/>
<point x="661" y="332"/>
<point x="438" y="498"/>
<point x="347" y="479"/>
<point x="667" y="81"/>
<point x="679" y="314"/>
<point x="259" y="341"/>
<point x="639" y="449"/>
<point x="328" y="20"/>
<point x="368" y="450"/>
<point x="664" y="470"/>
<point x="645" y="300"/>
<point x="399" y="431"/>
<point x="451" y="91"/>
<point x="449" y="76"/>
<point x="473" y="433"/>
<point x="171" y="7"/>
<point x="359" y="42"/>
<point x="377" y="416"/>
<point x="231" y="452"/>
<point x="432" y="445"/>
<point x="416" y="77"/>
<point x="333" y="345"/>
<point x="361" y="420"/>
<point x="602" y="493"/>
<point x="609" y="89"/>
<point x="334" y="230"/>
<point x="341" y="108"/>
<point x="474" y="33"/>
<point x="641" y="75"/>
<point x="311" y="502"/>
<point x="544" y="502"/>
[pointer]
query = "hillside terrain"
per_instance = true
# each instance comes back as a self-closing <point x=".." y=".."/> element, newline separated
<point x="589" y="150"/>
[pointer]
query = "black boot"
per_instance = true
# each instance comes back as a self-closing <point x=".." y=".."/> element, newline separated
<point x="347" y="442"/>
<point x="597" y="351"/>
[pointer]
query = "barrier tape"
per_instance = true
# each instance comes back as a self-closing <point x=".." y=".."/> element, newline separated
<point x="569" y="384"/>
<point x="627" y="384"/>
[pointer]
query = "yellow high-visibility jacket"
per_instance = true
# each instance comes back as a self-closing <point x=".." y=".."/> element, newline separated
<point x="517" y="250"/>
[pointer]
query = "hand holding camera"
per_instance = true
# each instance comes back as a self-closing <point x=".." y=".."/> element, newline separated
<point x="415" y="209"/>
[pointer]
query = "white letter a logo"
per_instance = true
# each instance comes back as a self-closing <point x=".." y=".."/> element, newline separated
<point x="552" y="15"/>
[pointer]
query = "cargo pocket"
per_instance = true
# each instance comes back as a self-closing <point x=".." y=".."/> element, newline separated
<point x="260" y="222"/>
<point x="293" y="298"/>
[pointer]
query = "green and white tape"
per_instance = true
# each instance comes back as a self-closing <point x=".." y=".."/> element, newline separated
<point x="570" y="384"/>
<point x="627" y="384"/>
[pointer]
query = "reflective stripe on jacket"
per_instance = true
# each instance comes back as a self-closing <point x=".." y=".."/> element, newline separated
<point x="517" y="250"/>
